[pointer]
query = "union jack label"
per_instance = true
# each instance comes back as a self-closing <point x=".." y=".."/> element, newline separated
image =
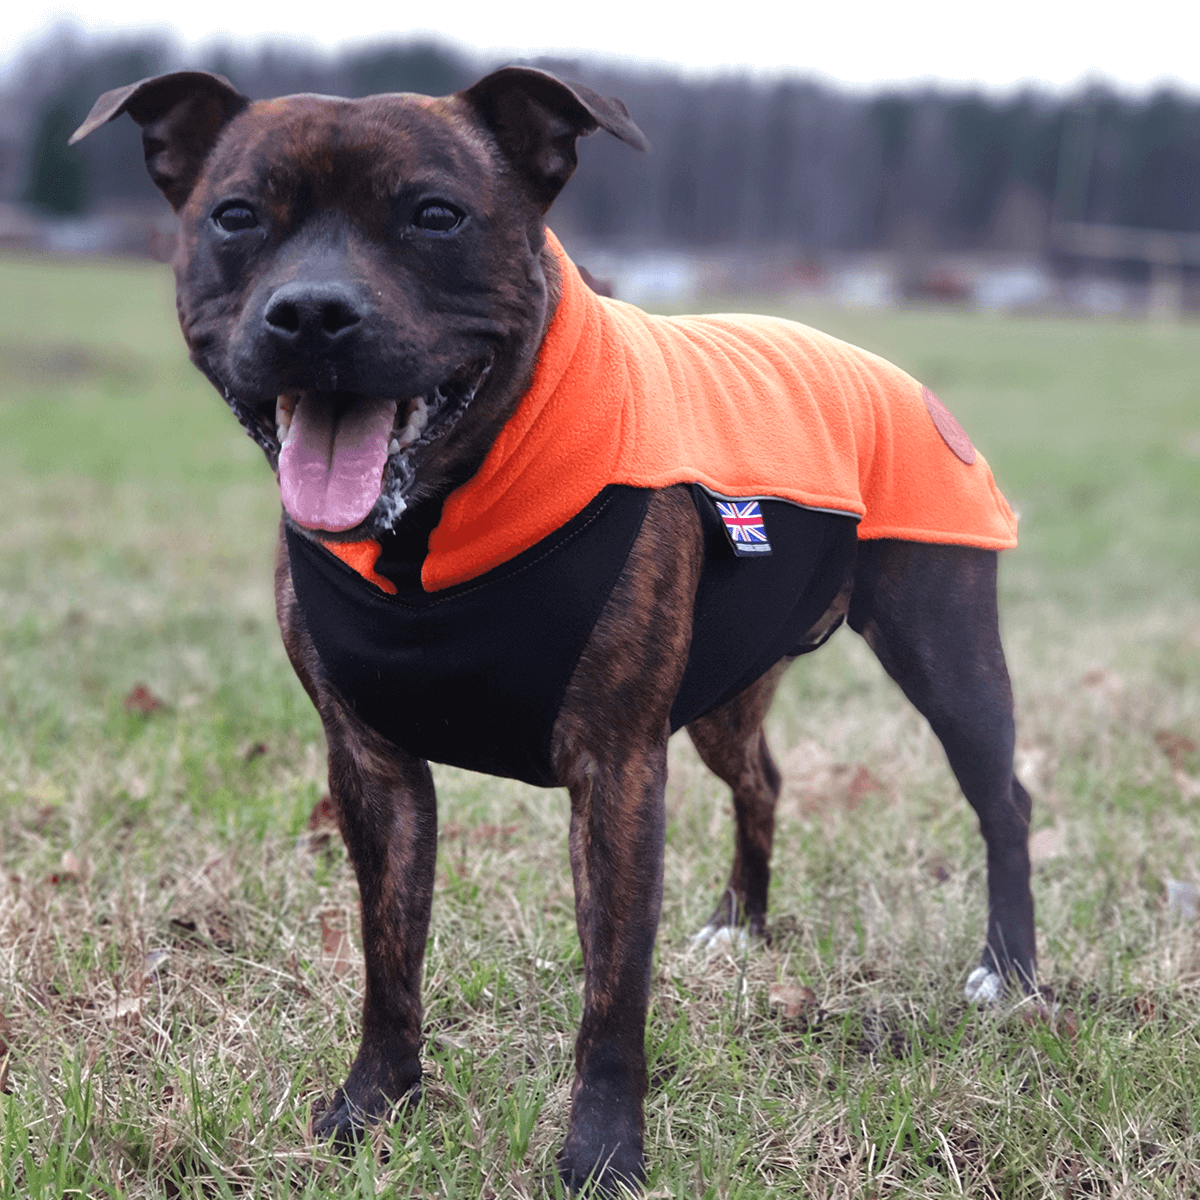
<point x="743" y="521"/>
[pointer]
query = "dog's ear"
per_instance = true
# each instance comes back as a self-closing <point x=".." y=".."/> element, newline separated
<point x="536" y="118"/>
<point x="181" y="116"/>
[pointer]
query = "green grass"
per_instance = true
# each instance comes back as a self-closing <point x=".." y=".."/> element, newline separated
<point x="173" y="1006"/>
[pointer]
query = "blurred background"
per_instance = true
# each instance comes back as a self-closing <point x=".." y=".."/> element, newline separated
<point x="1039" y="162"/>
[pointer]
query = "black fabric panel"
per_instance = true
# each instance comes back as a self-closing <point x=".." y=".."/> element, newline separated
<point x="751" y="612"/>
<point x="472" y="675"/>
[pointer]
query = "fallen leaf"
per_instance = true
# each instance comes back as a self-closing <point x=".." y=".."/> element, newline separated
<point x="1103" y="682"/>
<point x="1176" y="746"/>
<point x="338" y="955"/>
<point x="122" y="1007"/>
<point x="482" y="834"/>
<point x="43" y="816"/>
<point x="323" y="815"/>
<point x="863" y="784"/>
<point x="1062" y="1021"/>
<point x="795" y="998"/>
<point x="488" y="833"/>
<point x="322" y="825"/>
<point x="70" y="867"/>
<point x="1145" y="1009"/>
<point x="142" y="700"/>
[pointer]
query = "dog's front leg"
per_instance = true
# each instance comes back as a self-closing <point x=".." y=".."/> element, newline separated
<point x="611" y="752"/>
<point x="617" y="833"/>
<point x="387" y="812"/>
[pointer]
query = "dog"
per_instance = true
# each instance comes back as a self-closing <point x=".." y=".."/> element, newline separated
<point x="371" y="287"/>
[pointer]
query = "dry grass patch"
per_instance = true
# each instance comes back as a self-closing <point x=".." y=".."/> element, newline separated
<point x="178" y="958"/>
<point x="179" y="964"/>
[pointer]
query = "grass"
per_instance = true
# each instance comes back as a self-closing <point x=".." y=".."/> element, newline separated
<point x="178" y="975"/>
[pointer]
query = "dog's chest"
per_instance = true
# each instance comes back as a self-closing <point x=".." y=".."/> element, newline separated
<point x="474" y="676"/>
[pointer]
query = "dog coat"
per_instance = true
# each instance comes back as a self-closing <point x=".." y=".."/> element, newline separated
<point x="459" y="647"/>
<point x="747" y="406"/>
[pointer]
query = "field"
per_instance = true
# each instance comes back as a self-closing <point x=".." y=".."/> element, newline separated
<point x="179" y="972"/>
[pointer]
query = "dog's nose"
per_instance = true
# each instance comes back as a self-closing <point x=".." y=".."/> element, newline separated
<point x="314" y="315"/>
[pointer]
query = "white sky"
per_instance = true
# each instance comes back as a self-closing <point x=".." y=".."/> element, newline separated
<point x="1000" y="45"/>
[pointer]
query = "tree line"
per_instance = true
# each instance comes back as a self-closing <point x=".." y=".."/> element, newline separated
<point x="735" y="160"/>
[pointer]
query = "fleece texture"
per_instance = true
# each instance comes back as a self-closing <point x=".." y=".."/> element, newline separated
<point x="745" y="405"/>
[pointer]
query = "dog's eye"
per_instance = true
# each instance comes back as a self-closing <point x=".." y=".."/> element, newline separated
<point x="234" y="218"/>
<point x="437" y="218"/>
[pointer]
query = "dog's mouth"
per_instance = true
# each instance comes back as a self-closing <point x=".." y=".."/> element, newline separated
<point x="342" y="453"/>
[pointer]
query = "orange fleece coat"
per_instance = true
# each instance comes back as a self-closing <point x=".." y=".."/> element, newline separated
<point x="745" y="405"/>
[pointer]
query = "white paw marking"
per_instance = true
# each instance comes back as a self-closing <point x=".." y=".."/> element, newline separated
<point x="983" y="986"/>
<point x="718" y="939"/>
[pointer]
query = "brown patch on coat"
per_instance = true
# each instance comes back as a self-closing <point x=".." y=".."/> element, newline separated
<point x="953" y="434"/>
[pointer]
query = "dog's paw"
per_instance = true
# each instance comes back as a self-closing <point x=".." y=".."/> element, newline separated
<point x="342" y="1122"/>
<point x="983" y="986"/>
<point x="605" y="1181"/>
<point x="607" y="1166"/>
<point x="721" y="939"/>
<point x="345" y="1123"/>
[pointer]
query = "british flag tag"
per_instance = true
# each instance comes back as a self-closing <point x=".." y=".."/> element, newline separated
<point x="743" y="522"/>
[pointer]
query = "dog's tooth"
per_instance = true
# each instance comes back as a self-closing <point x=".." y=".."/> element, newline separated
<point x="283" y="417"/>
<point x="417" y="420"/>
<point x="393" y="447"/>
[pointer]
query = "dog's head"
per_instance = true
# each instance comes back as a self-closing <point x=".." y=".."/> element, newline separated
<point x="355" y="275"/>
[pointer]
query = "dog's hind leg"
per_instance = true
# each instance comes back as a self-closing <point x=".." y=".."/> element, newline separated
<point x="929" y="613"/>
<point x="732" y="744"/>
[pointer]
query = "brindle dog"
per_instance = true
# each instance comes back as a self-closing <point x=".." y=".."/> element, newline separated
<point x="394" y="247"/>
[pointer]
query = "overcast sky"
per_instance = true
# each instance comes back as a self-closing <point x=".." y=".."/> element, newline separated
<point x="1001" y="45"/>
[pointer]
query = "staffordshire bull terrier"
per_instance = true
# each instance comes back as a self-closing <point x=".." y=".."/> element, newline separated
<point x="531" y="531"/>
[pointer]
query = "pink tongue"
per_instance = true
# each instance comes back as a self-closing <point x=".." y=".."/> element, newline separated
<point x="331" y="471"/>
